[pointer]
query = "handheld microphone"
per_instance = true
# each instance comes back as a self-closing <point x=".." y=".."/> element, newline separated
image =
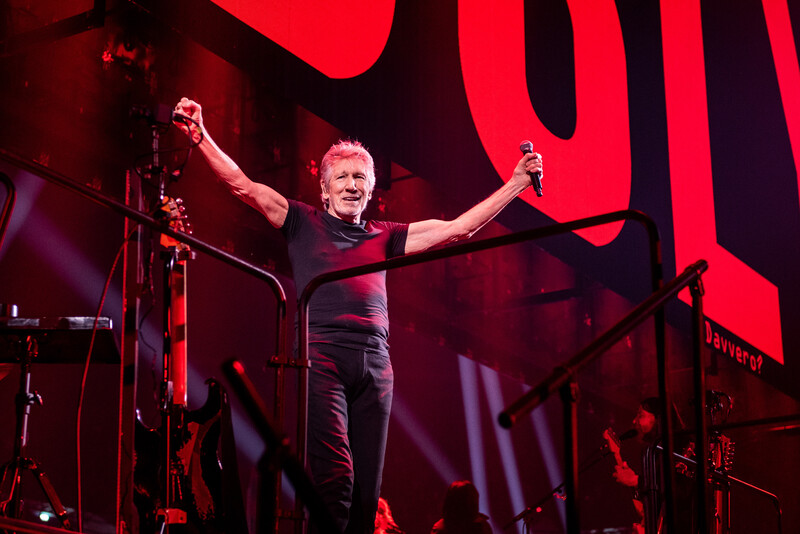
<point x="536" y="177"/>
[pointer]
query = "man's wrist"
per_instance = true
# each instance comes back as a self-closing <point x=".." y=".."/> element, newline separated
<point x="198" y="135"/>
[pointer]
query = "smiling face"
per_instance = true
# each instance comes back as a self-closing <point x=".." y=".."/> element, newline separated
<point x="348" y="189"/>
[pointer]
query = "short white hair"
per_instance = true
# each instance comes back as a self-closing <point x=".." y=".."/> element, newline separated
<point x="346" y="149"/>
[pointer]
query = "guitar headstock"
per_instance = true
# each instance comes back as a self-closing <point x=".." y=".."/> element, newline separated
<point x="612" y="439"/>
<point x="174" y="213"/>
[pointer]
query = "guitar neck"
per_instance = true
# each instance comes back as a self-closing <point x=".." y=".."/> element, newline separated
<point x="613" y="445"/>
<point x="176" y="364"/>
<point x="178" y="374"/>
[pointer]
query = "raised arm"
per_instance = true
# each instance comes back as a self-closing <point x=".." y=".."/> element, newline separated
<point x="425" y="234"/>
<point x="266" y="200"/>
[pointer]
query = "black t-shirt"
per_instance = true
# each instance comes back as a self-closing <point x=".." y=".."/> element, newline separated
<point x="352" y="311"/>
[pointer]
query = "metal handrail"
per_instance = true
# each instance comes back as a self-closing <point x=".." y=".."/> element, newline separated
<point x="656" y="272"/>
<point x="563" y="377"/>
<point x="143" y="218"/>
<point x="561" y="374"/>
<point x="161" y="226"/>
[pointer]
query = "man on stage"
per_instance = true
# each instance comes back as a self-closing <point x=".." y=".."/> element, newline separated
<point x="350" y="380"/>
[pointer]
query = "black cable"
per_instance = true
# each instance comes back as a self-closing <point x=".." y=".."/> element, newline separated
<point x="177" y="171"/>
<point x="183" y="118"/>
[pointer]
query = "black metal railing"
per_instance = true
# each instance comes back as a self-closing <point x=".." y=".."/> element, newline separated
<point x="277" y="358"/>
<point x="563" y="380"/>
<point x="656" y="271"/>
<point x="161" y="226"/>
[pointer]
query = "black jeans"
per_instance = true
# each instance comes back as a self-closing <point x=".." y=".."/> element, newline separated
<point x="349" y="400"/>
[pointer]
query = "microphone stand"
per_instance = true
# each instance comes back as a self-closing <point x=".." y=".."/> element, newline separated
<point x="525" y="515"/>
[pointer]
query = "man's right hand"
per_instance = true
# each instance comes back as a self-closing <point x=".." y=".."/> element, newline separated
<point x="193" y="110"/>
<point x="625" y="475"/>
<point x="260" y="196"/>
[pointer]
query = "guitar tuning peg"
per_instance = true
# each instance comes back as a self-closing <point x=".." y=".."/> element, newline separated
<point x="187" y="228"/>
<point x="179" y="201"/>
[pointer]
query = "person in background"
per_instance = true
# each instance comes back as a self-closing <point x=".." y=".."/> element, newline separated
<point x="647" y="485"/>
<point x="461" y="511"/>
<point x="384" y="522"/>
